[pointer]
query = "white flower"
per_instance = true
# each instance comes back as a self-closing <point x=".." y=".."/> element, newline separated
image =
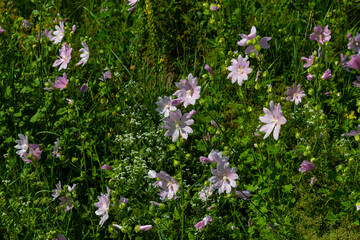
<point x="165" y="106"/>
<point x="22" y="144"/>
<point x="59" y="33"/>
<point x="85" y="54"/>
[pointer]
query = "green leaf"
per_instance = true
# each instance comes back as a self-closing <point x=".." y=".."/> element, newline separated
<point x="36" y="117"/>
<point x="331" y="217"/>
<point x="287" y="188"/>
<point x="61" y="111"/>
<point x="26" y="89"/>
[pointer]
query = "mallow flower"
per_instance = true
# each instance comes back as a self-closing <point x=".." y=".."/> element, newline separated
<point x="22" y="144"/>
<point x="214" y="156"/>
<point x="239" y="70"/>
<point x="208" y="68"/>
<point x="33" y="156"/>
<point x="224" y="177"/>
<point x="1" y="30"/>
<point x="247" y="40"/>
<point x="84" y="88"/>
<point x="59" y="33"/>
<point x="165" y="106"/>
<point x="354" y="43"/>
<point x="306" y="166"/>
<point x="272" y="119"/>
<point x="85" y="54"/>
<point x="205" y="193"/>
<point x="105" y="75"/>
<point x="308" y="61"/>
<point x="103" y="206"/>
<point x="168" y="184"/>
<point x="188" y="90"/>
<point x="353" y="132"/>
<point x="200" y="225"/>
<point x="177" y="123"/>
<point x="295" y="94"/>
<point x="354" y="62"/>
<point x="145" y="228"/>
<point x="64" y="58"/>
<point x="344" y="62"/>
<point x="320" y="35"/>
<point x="326" y="75"/>
<point x="245" y="194"/>
<point x="60" y="83"/>
<point x="357" y="82"/>
<point x="107" y="167"/>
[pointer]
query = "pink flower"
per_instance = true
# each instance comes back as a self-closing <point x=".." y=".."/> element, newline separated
<point x="132" y="2"/>
<point x="354" y="62"/>
<point x="239" y="70"/>
<point x="207" y="67"/>
<point x="295" y="94"/>
<point x="357" y="82"/>
<point x="165" y="106"/>
<point x="273" y="118"/>
<point x="84" y="88"/>
<point x="85" y="54"/>
<point x="243" y="194"/>
<point x="103" y="205"/>
<point x="69" y="100"/>
<point x="175" y="124"/>
<point x="309" y="60"/>
<point x="48" y="33"/>
<point x="105" y="75"/>
<point x="61" y="237"/>
<point x="131" y="9"/>
<point x="344" y="63"/>
<point x="245" y="41"/>
<point x="214" y="124"/>
<point x="246" y="38"/>
<point x="59" y="33"/>
<point x="145" y="227"/>
<point x="64" y="58"/>
<point x="1" y="30"/>
<point x="200" y="225"/>
<point x="33" y="156"/>
<point x="107" y="167"/>
<point x="224" y="177"/>
<point x="319" y="35"/>
<point x="123" y="200"/>
<point x="354" y="43"/>
<point x="326" y="75"/>
<point x="214" y="156"/>
<point x="348" y="35"/>
<point x="188" y="90"/>
<point x="60" y="83"/>
<point x="205" y="193"/>
<point x="310" y="77"/>
<point x="328" y="93"/>
<point x="214" y="8"/>
<point x="167" y="183"/>
<point x="66" y="201"/>
<point x="306" y="166"/>
<point x="353" y="132"/>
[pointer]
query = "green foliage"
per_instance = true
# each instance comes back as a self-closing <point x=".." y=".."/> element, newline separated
<point x="115" y="122"/>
